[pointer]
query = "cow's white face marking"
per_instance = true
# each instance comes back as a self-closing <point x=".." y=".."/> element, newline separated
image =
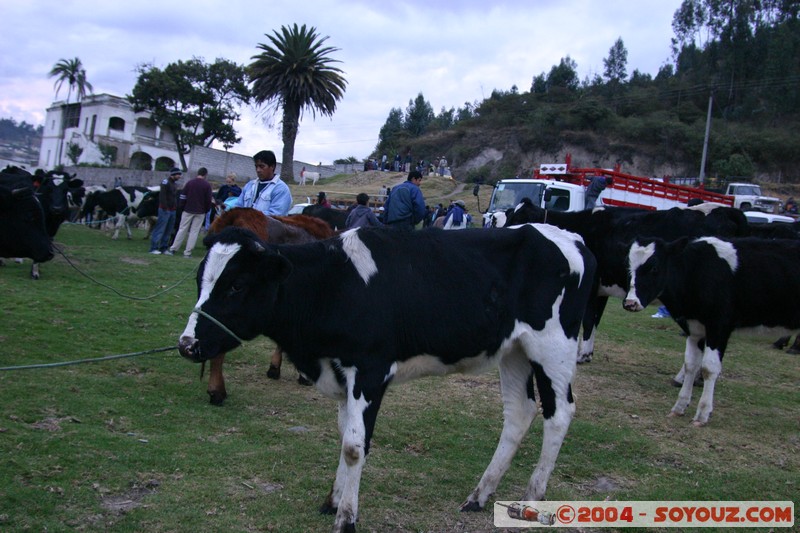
<point x="359" y="255"/>
<point x="217" y="260"/>
<point x="637" y="257"/>
<point x="725" y="251"/>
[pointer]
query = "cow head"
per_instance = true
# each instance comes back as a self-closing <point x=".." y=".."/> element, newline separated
<point x="52" y="193"/>
<point x="236" y="284"/>
<point x="525" y="212"/>
<point x="647" y="274"/>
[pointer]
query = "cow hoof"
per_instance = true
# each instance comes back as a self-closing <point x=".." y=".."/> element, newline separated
<point x="274" y="372"/>
<point x="303" y="381"/>
<point x="217" y="398"/>
<point x="471" y="507"/>
<point x="674" y="414"/>
<point x="327" y="508"/>
<point x="698" y="424"/>
<point x="778" y="345"/>
<point x="676" y="383"/>
<point x="585" y="358"/>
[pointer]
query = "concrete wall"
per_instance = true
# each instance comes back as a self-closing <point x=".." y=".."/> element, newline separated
<point x="218" y="162"/>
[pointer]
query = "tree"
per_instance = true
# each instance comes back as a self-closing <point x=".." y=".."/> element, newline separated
<point x="295" y="72"/>
<point x="419" y="114"/>
<point x="72" y="72"/>
<point x="392" y="132"/>
<point x="616" y="63"/>
<point x="74" y="152"/>
<point x="564" y="75"/>
<point x="197" y="102"/>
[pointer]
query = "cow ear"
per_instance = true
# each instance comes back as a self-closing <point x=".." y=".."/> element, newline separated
<point x="278" y="267"/>
<point x="677" y="246"/>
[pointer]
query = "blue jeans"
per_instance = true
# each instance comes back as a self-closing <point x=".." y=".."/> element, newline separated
<point x="163" y="230"/>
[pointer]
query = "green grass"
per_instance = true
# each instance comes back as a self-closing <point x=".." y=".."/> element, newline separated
<point x="133" y="445"/>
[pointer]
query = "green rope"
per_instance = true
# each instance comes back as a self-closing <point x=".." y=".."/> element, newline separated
<point x="81" y="361"/>
<point x="218" y="323"/>
<point x="115" y="291"/>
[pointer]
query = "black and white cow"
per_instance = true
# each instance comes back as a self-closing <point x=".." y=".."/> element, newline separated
<point x="22" y="221"/>
<point x="513" y="297"/>
<point x="118" y="204"/>
<point x="609" y="232"/>
<point x="715" y="286"/>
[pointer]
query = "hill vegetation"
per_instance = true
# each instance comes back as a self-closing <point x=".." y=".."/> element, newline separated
<point x="738" y="59"/>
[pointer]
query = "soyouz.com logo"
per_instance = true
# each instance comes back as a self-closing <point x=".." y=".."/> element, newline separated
<point x="644" y="514"/>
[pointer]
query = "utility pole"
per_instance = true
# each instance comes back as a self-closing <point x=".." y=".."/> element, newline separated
<point x="705" y="140"/>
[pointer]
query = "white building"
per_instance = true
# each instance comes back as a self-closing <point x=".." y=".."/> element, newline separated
<point x="106" y="131"/>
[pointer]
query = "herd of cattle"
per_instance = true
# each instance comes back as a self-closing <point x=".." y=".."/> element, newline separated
<point x="527" y="297"/>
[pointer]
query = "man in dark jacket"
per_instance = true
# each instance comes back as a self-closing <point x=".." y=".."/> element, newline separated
<point x="199" y="200"/>
<point x="362" y="216"/>
<point x="405" y="207"/>
<point x="167" y="204"/>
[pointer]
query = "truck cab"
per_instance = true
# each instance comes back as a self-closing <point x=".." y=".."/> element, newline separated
<point x="551" y="194"/>
<point x="747" y="197"/>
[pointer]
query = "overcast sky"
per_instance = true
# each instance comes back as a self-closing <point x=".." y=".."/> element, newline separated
<point x="452" y="51"/>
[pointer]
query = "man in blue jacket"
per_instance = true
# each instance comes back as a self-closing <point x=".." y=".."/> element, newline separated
<point x="405" y="207"/>
<point x="267" y="193"/>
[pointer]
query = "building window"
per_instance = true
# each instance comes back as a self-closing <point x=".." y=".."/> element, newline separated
<point x="116" y="123"/>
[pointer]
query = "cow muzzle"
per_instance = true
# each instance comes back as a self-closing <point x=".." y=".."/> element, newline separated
<point x="632" y="305"/>
<point x="189" y="347"/>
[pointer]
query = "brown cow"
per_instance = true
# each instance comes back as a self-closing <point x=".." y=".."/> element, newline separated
<point x="295" y="229"/>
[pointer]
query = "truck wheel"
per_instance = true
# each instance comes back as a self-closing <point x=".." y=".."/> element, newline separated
<point x="745" y="206"/>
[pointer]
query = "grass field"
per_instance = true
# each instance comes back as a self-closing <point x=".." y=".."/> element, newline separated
<point x="133" y="445"/>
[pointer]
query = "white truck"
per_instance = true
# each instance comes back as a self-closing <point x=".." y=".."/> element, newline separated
<point x="747" y="197"/>
<point x="561" y="187"/>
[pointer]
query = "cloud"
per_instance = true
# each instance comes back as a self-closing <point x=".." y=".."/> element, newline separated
<point x="451" y="52"/>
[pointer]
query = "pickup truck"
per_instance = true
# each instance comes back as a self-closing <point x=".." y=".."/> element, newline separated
<point x="747" y="197"/>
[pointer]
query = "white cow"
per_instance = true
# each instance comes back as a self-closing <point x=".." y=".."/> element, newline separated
<point x="305" y="174"/>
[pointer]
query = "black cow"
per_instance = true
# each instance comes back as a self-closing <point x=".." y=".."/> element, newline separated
<point x="492" y="311"/>
<point x="118" y="203"/>
<point x="716" y="286"/>
<point x="609" y="232"/>
<point x="22" y="222"/>
<point x="336" y="218"/>
<point x="51" y="191"/>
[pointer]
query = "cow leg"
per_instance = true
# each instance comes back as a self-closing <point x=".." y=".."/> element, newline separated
<point x="357" y="414"/>
<point x="35" y="270"/>
<point x="554" y="382"/>
<point x="519" y="410"/>
<point x="591" y="320"/>
<point x="692" y="359"/>
<point x="216" y="381"/>
<point x="274" y="371"/>
<point x="795" y="349"/>
<point x="118" y="221"/>
<point x="782" y="343"/>
<point x="712" y="366"/>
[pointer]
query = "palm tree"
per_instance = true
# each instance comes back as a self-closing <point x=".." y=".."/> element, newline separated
<point x="71" y="71"/>
<point x="295" y="72"/>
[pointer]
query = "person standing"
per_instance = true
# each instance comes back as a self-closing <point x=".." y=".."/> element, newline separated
<point x="322" y="200"/>
<point x="405" y="207"/>
<point x="199" y="201"/>
<point x="167" y="204"/>
<point x="362" y="216"/>
<point x="596" y="186"/>
<point x="442" y="165"/>
<point x="267" y="193"/>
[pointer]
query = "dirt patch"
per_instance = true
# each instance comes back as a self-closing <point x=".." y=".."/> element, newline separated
<point x="133" y="261"/>
<point x="122" y="503"/>
<point x="53" y="424"/>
